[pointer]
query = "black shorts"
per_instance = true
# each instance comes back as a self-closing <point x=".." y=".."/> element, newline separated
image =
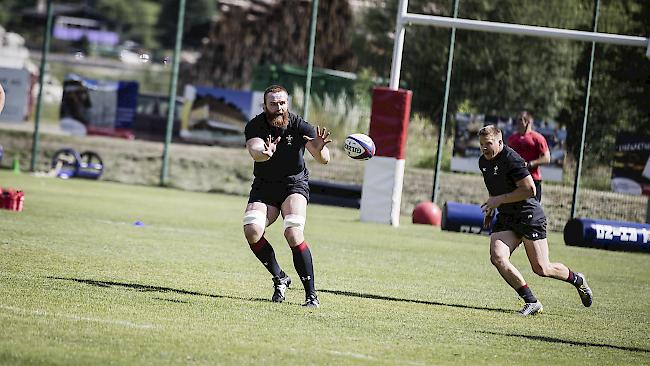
<point x="528" y="224"/>
<point x="274" y="193"/>
<point x="538" y="190"/>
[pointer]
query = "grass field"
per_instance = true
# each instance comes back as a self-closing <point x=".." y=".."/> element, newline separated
<point x="80" y="284"/>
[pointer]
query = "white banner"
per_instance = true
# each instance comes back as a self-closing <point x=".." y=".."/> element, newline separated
<point x="16" y="84"/>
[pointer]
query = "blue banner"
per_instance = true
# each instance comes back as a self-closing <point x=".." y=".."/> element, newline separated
<point x="127" y="100"/>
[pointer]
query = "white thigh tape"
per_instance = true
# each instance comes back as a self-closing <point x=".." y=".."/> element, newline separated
<point x="255" y="217"/>
<point x="296" y="221"/>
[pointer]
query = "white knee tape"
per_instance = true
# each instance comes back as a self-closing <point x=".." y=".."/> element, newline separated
<point x="296" y="221"/>
<point x="255" y="217"/>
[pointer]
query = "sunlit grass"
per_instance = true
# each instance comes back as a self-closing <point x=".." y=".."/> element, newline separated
<point x="81" y="284"/>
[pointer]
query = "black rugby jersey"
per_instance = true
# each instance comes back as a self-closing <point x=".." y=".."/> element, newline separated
<point x="501" y="175"/>
<point x="287" y="163"/>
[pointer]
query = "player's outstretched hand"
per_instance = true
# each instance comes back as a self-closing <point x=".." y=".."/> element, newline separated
<point x="487" y="219"/>
<point x="492" y="203"/>
<point x="321" y="139"/>
<point x="488" y="213"/>
<point x="270" y="145"/>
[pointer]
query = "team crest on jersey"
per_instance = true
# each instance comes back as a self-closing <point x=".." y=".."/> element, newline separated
<point x="289" y="138"/>
<point x="495" y="170"/>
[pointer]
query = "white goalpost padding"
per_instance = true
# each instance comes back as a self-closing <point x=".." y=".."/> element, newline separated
<point x="381" y="195"/>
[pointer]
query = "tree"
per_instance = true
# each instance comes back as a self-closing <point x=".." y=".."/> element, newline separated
<point x="198" y="16"/>
<point x="424" y="57"/>
<point x="496" y="73"/>
<point x="9" y="8"/>
<point x="620" y="88"/>
<point x="501" y="74"/>
<point x="133" y="20"/>
<point x="271" y="32"/>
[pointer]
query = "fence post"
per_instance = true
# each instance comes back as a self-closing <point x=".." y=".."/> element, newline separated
<point x="172" y="91"/>
<point x="310" y="58"/>
<point x="443" y="122"/>
<point x="41" y="80"/>
<point x="576" y="182"/>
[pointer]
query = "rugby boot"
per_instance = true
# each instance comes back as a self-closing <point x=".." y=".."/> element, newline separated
<point x="584" y="291"/>
<point x="280" y="285"/>
<point x="532" y="308"/>
<point x="311" y="301"/>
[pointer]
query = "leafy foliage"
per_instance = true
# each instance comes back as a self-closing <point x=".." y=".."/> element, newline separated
<point x="10" y="8"/>
<point x="198" y="15"/>
<point x="503" y="74"/>
<point x="272" y="33"/>
<point x="339" y="114"/>
<point x="133" y="20"/>
<point x="620" y="91"/>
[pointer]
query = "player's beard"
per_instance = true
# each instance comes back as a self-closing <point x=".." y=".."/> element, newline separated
<point x="279" y="119"/>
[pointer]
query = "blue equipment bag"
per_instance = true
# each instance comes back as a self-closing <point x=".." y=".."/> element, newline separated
<point x="607" y="234"/>
<point x="465" y="218"/>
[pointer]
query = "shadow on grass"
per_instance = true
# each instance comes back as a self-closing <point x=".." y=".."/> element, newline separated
<point x="389" y="298"/>
<point x="564" y="341"/>
<point x="172" y="300"/>
<point x="149" y="288"/>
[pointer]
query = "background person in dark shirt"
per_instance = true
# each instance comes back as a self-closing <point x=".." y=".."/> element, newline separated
<point x="532" y="147"/>
<point x="520" y="218"/>
<point x="276" y="140"/>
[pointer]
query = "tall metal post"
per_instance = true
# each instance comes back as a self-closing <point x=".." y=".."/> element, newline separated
<point x="172" y="91"/>
<point x="443" y="122"/>
<point x="576" y="184"/>
<point x="41" y="79"/>
<point x="398" y="45"/>
<point x="310" y="58"/>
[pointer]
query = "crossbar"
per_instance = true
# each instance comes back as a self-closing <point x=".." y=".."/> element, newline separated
<point x="519" y="29"/>
<point x="404" y="18"/>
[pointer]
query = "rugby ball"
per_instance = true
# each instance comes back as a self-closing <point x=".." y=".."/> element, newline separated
<point x="359" y="146"/>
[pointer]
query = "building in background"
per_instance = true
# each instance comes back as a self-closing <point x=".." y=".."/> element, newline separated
<point x="18" y="76"/>
<point x="76" y="23"/>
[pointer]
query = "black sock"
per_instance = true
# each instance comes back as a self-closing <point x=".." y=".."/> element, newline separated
<point x="574" y="279"/>
<point x="526" y="294"/>
<point x="264" y="252"/>
<point x="304" y="267"/>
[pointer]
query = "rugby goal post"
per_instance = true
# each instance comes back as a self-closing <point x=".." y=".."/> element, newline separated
<point x="404" y="18"/>
<point x="388" y="212"/>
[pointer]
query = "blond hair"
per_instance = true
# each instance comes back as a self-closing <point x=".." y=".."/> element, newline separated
<point x="490" y="131"/>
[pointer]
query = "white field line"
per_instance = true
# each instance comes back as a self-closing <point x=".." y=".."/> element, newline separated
<point x="353" y="355"/>
<point x="44" y="313"/>
<point x="361" y="356"/>
<point x="161" y="228"/>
